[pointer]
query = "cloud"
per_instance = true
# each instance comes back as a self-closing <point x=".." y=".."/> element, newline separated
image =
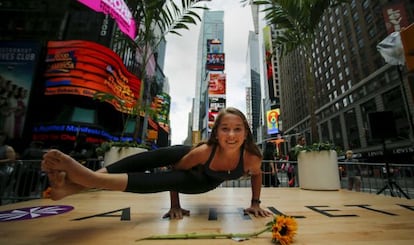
<point x="181" y="61"/>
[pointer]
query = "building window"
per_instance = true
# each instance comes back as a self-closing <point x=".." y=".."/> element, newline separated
<point x="83" y="115"/>
<point x="336" y="52"/>
<point x="393" y="101"/>
<point x="368" y="18"/>
<point x="349" y="83"/>
<point x="367" y="108"/>
<point x="338" y="64"/>
<point x="337" y="131"/>
<point x="343" y="88"/>
<point x="365" y="4"/>
<point x="351" y="127"/>
<point x="351" y="98"/>
<point x="372" y="32"/>
<point x="325" y="132"/>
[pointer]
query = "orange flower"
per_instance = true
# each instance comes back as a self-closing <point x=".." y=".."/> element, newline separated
<point x="283" y="229"/>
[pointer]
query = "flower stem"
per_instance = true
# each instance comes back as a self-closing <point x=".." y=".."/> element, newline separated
<point x="204" y="236"/>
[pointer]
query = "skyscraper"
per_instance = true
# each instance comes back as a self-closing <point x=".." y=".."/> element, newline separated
<point x="352" y="80"/>
<point x="253" y="74"/>
<point x="211" y="41"/>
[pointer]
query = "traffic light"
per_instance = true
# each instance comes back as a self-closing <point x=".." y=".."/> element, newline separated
<point x="407" y="39"/>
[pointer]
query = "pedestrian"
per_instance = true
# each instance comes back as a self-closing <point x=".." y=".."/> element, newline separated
<point x="290" y="168"/>
<point x="269" y="166"/>
<point x="353" y="171"/>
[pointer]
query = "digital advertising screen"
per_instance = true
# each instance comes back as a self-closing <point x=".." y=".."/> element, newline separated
<point x="86" y="68"/>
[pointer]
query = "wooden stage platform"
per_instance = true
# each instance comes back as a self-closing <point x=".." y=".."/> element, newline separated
<point x="104" y="217"/>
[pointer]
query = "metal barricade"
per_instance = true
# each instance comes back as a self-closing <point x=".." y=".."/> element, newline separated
<point x="21" y="180"/>
<point x="381" y="178"/>
<point x="391" y="179"/>
<point x="24" y="180"/>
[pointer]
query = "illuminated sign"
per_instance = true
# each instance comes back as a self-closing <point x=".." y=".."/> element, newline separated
<point x="161" y="104"/>
<point x="118" y="10"/>
<point x="215" y="62"/>
<point x="217" y="84"/>
<point x="69" y="132"/>
<point x="214" y="106"/>
<point x="18" y="62"/>
<point x="85" y="68"/>
<point x="395" y="17"/>
<point x="272" y="119"/>
<point x="214" y="46"/>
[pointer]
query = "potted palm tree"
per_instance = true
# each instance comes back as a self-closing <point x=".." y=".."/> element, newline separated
<point x="155" y="18"/>
<point x="318" y="167"/>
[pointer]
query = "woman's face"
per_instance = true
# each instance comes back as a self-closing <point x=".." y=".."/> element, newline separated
<point x="231" y="132"/>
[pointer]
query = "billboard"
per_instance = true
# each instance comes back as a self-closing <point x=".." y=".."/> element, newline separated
<point x="85" y="68"/>
<point x="395" y="17"/>
<point x="215" y="62"/>
<point x="215" y="104"/>
<point x="272" y="121"/>
<point x="214" y="46"/>
<point x="18" y="61"/>
<point x="161" y="105"/>
<point x="217" y="84"/>
<point x="267" y="40"/>
<point x="118" y="10"/>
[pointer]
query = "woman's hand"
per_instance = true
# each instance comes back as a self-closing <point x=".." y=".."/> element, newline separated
<point x="176" y="213"/>
<point x="256" y="210"/>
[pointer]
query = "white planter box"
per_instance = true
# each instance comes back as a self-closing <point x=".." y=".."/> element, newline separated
<point x="116" y="153"/>
<point x="318" y="170"/>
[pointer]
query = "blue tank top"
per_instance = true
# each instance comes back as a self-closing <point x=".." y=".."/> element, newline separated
<point x="228" y="174"/>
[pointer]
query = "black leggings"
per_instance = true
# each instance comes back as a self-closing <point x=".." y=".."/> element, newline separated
<point x="191" y="181"/>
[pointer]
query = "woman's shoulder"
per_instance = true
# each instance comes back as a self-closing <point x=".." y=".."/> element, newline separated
<point x="201" y="150"/>
<point x="251" y="157"/>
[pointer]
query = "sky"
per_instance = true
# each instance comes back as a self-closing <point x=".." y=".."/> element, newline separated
<point x="181" y="60"/>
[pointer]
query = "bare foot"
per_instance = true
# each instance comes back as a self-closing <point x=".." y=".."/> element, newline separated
<point x="56" y="178"/>
<point x="67" y="189"/>
<point x="61" y="186"/>
<point x="57" y="161"/>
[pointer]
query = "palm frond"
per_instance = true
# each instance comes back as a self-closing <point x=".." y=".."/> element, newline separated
<point x="297" y="21"/>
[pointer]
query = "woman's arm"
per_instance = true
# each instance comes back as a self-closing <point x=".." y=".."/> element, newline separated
<point x="176" y="212"/>
<point x="196" y="156"/>
<point x="273" y="167"/>
<point x="256" y="183"/>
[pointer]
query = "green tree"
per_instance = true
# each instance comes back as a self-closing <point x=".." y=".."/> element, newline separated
<point x="154" y="20"/>
<point x="297" y="22"/>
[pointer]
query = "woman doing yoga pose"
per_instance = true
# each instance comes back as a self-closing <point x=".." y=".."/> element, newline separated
<point x="228" y="154"/>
